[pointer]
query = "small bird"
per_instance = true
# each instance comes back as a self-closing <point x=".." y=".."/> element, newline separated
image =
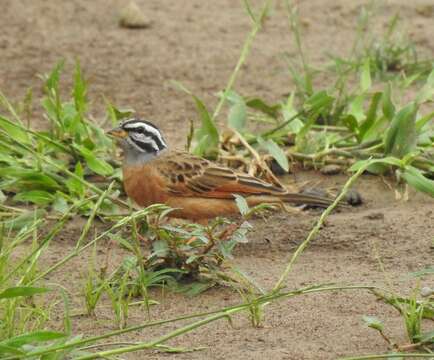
<point x="196" y="188"/>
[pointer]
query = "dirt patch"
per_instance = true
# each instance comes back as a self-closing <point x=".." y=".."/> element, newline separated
<point x="198" y="43"/>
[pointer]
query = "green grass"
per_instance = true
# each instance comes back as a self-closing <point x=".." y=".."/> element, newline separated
<point x="359" y="122"/>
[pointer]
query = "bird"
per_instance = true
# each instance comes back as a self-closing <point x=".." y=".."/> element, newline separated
<point x="196" y="188"/>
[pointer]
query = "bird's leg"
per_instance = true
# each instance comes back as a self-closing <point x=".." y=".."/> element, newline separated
<point x="142" y="239"/>
<point x="211" y="240"/>
<point x="229" y="230"/>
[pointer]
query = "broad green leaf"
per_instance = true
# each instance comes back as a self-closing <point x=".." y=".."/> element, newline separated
<point x="202" y="146"/>
<point x="371" y="116"/>
<point x="60" y="204"/>
<point x="290" y="118"/>
<point x="16" y="172"/>
<point x="207" y="130"/>
<point x="24" y="219"/>
<point x="400" y="138"/>
<point x="373" y="322"/>
<point x="427" y="91"/>
<point x="417" y="180"/>
<point x="79" y="91"/>
<point x="318" y="102"/>
<point x="261" y="105"/>
<point x="75" y="186"/>
<point x="97" y="165"/>
<point x="356" y="108"/>
<point x="242" y="204"/>
<point x="423" y="121"/>
<point x="409" y="80"/>
<point x="38" y="197"/>
<point x="14" y="131"/>
<point x="160" y="248"/>
<point x="117" y="114"/>
<point x="71" y="121"/>
<point x="275" y="151"/>
<point x="377" y="168"/>
<point x="32" y="337"/>
<point x="52" y="80"/>
<point x="237" y="116"/>
<point x="122" y="242"/>
<point x="75" y="127"/>
<point x="377" y="130"/>
<point x="302" y="83"/>
<point x="129" y="263"/>
<point x="100" y="136"/>
<point x="427" y="337"/>
<point x="19" y="291"/>
<point x="36" y="181"/>
<point x="387" y="161"/>
<point x="51" y="110"/>
<point x="351" y="123"/>
<point x="192" y="258"/>
<point x="365" y="76"/>
<point x="388" y="107"/>
<point x="231" y="96"/>
<point x="4" y="349"/>
<point x="88" y="144"/>
<point x="6" y="158"/>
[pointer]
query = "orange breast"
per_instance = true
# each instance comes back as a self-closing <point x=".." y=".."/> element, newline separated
<point x="143" y="185"/>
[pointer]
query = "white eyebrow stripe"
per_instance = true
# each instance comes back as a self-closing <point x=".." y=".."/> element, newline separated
<point x="147" y="128"/>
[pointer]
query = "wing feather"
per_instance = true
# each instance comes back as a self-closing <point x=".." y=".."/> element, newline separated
<point x="194" y="176"/>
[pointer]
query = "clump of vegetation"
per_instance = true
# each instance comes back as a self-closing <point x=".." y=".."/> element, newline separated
<point x="334" y="125"/>
<point x="51" y="168"/>
<point x="413" y="311"/>
<point x="388" y="53"/>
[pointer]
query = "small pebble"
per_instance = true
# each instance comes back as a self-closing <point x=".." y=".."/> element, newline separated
<point x="375" y="216"/>
<point x="426" y="291"/>
<point x="132" y="17"/>
<point x="353" y="198"/>
<point x="331" y="169"/>
<point x="425" y="10"/>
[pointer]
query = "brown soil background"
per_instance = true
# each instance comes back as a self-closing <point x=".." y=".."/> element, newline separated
<point x="198" y="43"/>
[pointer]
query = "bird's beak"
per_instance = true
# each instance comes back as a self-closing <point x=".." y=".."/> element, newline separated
<point x="117" y="132"/>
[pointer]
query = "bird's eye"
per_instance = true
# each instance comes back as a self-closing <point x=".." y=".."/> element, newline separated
<point x="140" y="130"/>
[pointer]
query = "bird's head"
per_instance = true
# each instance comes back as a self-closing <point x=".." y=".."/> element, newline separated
<point x="139" y="138"/>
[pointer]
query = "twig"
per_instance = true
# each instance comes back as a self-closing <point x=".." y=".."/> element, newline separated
<point x="244" y="52"/>
<point x="317" y="227"/>
<point x="258" y="159"/>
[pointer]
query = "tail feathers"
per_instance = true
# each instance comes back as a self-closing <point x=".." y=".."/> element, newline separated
<point x="305" y="199"/>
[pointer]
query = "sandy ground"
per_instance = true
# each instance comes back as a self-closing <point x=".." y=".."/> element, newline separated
<point x="198" y="43"/>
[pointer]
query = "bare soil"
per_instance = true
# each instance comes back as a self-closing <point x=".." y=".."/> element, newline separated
<point x="198" y="43"/>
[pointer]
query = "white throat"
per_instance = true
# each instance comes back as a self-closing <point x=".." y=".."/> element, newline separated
<point x="133" y="157"/>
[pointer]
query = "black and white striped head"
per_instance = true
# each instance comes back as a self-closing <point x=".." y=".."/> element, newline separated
<point x="139" y="137"/>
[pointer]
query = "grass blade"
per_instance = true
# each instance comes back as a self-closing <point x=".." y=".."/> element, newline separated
<point x="19" y="291"/>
